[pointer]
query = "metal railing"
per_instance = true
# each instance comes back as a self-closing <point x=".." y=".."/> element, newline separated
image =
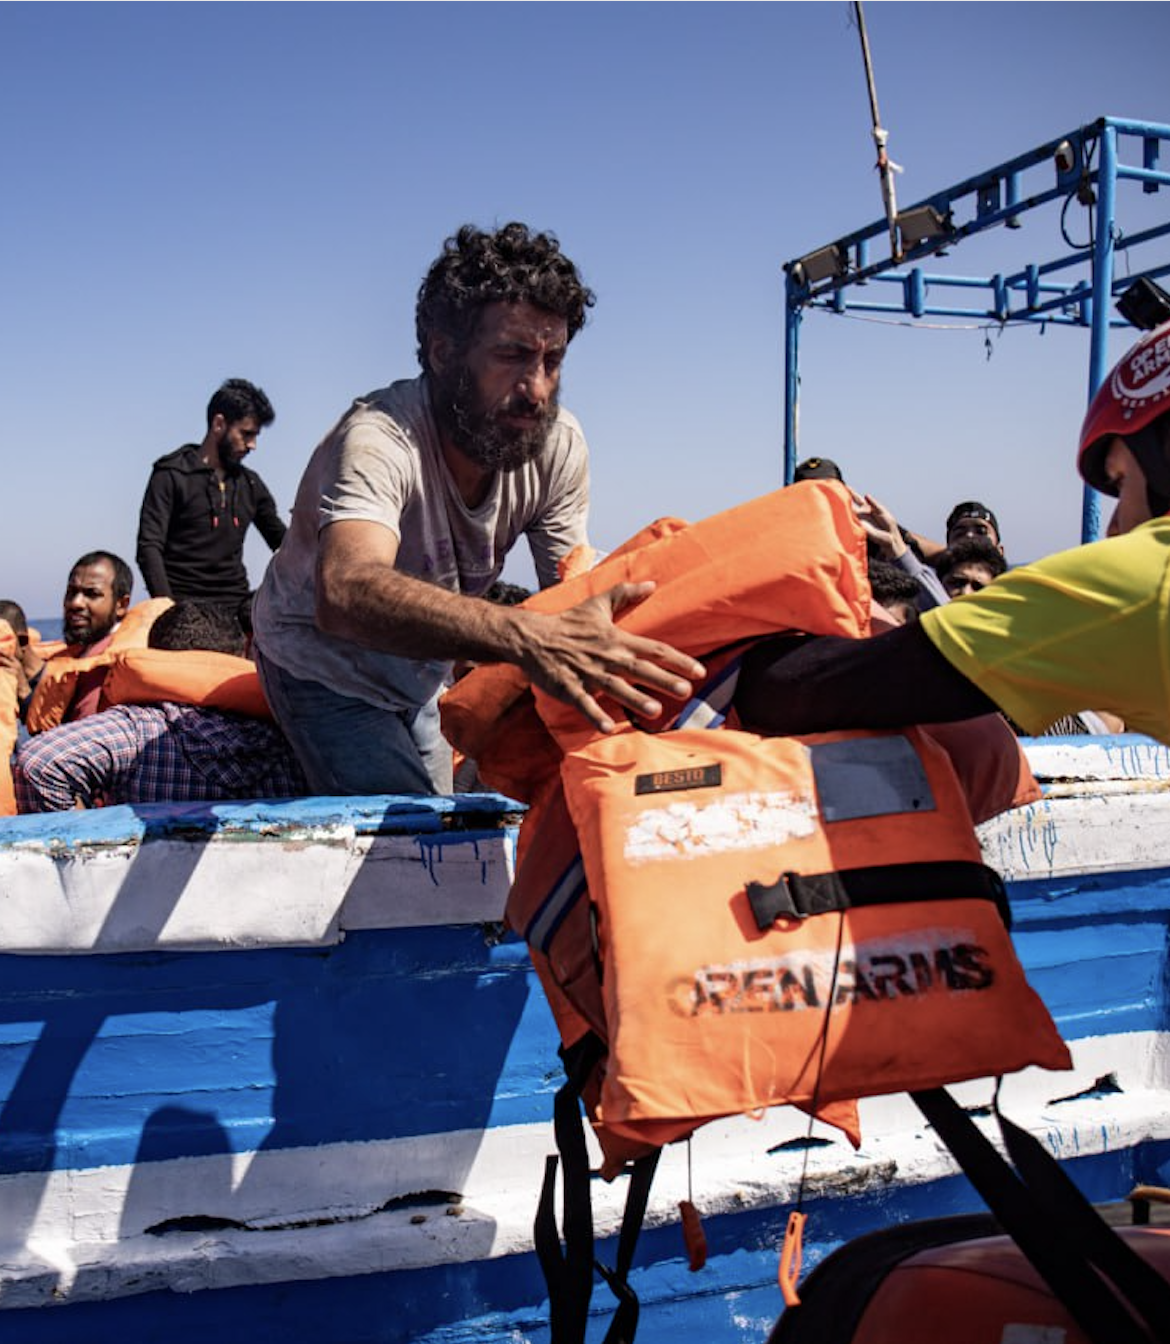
<point x="1074" y="287"/>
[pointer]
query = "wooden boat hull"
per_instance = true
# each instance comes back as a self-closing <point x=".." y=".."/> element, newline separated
<point x="276" y="1068"/>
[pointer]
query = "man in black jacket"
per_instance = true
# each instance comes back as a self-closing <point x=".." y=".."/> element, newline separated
<point x="200" y="501"/>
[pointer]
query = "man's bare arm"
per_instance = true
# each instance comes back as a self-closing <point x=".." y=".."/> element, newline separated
<point x="576" y="656"/>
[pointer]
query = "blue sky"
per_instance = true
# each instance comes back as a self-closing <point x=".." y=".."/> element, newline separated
<point x="193" y="192"/>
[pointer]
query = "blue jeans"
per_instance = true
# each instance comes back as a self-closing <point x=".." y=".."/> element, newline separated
<point x="346" y="746"/>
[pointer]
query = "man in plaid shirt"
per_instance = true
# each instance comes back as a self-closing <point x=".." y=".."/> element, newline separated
<point x="167" y="752"/>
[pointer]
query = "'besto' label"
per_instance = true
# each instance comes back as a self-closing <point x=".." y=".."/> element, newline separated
<point x="891" y="971"/>
<point x="674" y="781"/>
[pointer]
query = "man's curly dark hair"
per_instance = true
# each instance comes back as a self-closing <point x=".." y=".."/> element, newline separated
<point x="511" y="265"/>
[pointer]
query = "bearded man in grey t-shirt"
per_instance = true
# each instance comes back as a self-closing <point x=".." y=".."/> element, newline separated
<point x="406" y="513"/>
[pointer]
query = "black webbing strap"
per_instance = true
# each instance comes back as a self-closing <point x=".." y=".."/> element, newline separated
<point x="1142" y="1287"/>
<point x="1042" y="1232"/>
<point x="569" y="1273"/>
<point x="799" y="895"/>
<point x="625" y="1320"/>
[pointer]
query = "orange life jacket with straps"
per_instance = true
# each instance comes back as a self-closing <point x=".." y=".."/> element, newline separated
<point x="723" y="922"/>
<point x="792" y="560"/>
<point x="59" y="679"/>
<point x="786" y="920"/>
<point x="492" y="716"/>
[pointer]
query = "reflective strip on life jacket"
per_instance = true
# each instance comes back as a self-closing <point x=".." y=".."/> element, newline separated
<point x="710" y="707"/>
<point x="566" y="891"/>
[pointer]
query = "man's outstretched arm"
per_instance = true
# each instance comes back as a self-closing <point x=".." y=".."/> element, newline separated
<point x="794" y="684"/>
<point x="576" y="655"/>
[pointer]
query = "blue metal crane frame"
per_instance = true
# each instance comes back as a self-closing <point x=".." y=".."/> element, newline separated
<point x="1074" y="288"/>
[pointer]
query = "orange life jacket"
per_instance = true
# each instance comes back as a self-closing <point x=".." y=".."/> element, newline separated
<point x="188" y="676"/>
<point x="787" y="939"/>
<point x="45" y="648"/>
<point x="9" y="713"/>
<point x="792" y="560"/>
<point x="789" y="920"/>
<point x="490" y="716"/>
<point x="58" y="683"/>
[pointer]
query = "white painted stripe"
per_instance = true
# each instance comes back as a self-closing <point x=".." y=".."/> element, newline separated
<point x="1094" y="832"/>
<point x="250" y="891"/>
<point x="1129" y="757"/>
<point x="85" y="1229"/>
<point x="307" y="886"/>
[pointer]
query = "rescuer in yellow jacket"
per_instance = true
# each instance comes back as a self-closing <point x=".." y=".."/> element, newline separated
<point x="1089" y="626"/>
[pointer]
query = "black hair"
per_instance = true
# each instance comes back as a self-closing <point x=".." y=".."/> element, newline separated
<point x="511" y="265"/>
<point x="980" y="550"/>
<point x="236" y="399"/>
<point x="13" y="613"/>
<point x="1151" y="446"/>
<point x="198" y="625"/>
<point x="891" y="583"/>
<point x="507" y="594"/>
<point x="123" y="578"/>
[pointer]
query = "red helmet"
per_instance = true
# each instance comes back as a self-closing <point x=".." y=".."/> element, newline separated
<point x="1134" y="395"/>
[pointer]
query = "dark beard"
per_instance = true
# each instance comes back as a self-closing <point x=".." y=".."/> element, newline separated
<point x="229" y="460"/>
<point x="481" y="435"/>
<point x="87" y="634"/>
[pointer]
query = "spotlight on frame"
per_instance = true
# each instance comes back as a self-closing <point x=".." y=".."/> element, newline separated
<point x="824" y="264"/>
<point x="921" y="224"/>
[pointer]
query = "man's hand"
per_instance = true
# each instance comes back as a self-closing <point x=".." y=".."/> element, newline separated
<point x="879" y="525"/>
<point x="581" y="655"/>
<point x="11" y="662"/>
<point x="576" y="656"/>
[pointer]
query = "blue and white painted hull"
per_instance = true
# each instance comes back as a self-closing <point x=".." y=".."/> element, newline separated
<point x="275" y="1071"/>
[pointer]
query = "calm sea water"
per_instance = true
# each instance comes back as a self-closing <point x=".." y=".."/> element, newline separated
<point x="49" y="626"/>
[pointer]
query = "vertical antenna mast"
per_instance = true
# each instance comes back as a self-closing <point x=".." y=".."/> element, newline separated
<point x="880" y="136"/>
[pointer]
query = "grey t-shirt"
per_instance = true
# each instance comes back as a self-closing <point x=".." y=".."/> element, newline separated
<point x="382" y="463"/>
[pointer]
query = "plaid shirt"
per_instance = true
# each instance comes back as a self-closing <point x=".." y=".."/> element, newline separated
<point x="155" y="753"/>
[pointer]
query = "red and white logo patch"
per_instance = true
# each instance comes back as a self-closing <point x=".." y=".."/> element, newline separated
<point x="1143" y="378"/>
